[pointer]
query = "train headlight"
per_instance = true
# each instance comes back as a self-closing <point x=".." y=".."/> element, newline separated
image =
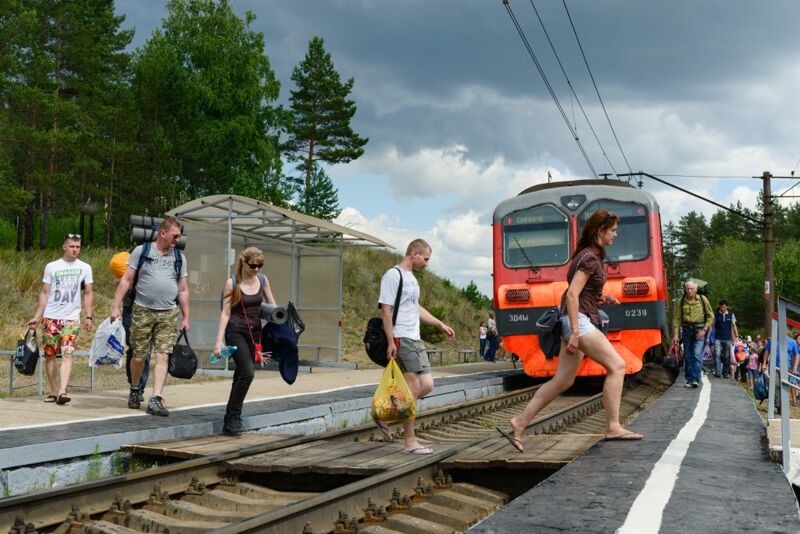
<point x="518" y="295"/>
<point x="573" y="202"/>
<point x="635" y="289"/>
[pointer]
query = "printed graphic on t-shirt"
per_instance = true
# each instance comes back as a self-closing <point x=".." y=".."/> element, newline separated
<point x="65" y="279"/>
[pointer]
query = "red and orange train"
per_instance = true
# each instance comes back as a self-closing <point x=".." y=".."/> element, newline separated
<point x="534" y="234"/>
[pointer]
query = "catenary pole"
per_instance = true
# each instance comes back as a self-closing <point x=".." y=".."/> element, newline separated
<point x="769" y="247"/>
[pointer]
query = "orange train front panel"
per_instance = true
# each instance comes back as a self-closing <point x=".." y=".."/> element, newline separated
<point x="635" y="325"/>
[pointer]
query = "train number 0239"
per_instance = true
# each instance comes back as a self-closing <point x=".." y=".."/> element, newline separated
<point x="636" y="312"/>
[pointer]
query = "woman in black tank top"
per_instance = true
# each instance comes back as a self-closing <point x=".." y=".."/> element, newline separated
<point x="240" y="325"/>
<point x="586" y="278"/>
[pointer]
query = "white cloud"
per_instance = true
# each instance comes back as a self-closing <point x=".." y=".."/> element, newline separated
<point x="462" y="246"/>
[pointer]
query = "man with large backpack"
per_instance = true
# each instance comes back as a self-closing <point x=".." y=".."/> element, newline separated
<point x="160" y="283"/>
<point x="692" y="322"/>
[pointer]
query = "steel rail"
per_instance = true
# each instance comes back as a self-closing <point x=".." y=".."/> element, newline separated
<point x="352" y="498"/>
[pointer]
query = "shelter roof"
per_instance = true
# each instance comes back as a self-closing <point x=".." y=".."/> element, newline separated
<point x="259" y="218"/>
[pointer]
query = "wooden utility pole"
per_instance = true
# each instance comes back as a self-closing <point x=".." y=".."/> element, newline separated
<point x="769" y="247"/>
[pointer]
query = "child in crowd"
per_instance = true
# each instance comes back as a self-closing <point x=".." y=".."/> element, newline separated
<point x="752" y="366"/>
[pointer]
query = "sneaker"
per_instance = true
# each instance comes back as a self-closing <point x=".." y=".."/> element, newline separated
<point x="687" y="385"/>
<point x="695" y="384"/>
<point x="133" y="399"/>
<point x="156" y="406"/>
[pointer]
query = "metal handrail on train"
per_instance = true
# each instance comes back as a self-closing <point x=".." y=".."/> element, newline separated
<point x="779" y="334"/>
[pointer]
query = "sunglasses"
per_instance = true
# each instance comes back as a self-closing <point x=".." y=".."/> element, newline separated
<point x="255" y="265"/>
<point x="73" y="236"/>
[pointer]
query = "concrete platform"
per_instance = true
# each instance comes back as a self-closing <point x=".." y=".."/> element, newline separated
<point x="702" y="467"/>
<point x="33" y="432"/>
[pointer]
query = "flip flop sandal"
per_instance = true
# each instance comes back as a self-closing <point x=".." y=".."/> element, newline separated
<point x="50" y="398"/>
<point x="63" y="399"/>
<point x="419" y="450"/>
<point x="628" y="436"/>
<point x="511" y="439"/>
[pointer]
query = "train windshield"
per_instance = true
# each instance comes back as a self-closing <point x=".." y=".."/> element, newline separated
<point x="535" y="237"/>
<point x="633" y="233"/>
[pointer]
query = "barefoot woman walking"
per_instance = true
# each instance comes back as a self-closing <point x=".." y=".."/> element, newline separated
<point x="579" y="333"/>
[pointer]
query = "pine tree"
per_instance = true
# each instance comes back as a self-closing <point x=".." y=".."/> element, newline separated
<point x="321" y="198"/>
<point x="319" y="124"/>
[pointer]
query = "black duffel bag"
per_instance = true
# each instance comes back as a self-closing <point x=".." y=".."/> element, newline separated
<point x="27" y="354"/>
<point x="548" y="329"/>
<point x="182" y="361"/>
<point x="375" y="337"/>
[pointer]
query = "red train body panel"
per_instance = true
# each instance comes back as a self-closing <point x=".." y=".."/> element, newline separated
<point x="534" y="234"/>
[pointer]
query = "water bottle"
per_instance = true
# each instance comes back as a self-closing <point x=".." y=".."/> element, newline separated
<point x="226" y="352"/>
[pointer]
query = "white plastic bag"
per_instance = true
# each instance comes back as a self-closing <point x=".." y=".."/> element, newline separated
<point x="108" y="347"/>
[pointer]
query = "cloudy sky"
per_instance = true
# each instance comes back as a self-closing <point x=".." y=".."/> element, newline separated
<point x="702" y="93"/>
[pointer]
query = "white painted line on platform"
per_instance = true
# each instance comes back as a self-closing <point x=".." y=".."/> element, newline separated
<point x="647" y="510"/>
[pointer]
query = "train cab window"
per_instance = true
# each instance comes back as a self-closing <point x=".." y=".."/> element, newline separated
<point x="535" y="236"/>
<point x="633" y="233"/>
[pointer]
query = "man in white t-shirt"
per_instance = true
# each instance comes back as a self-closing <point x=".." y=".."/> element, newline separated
<point x="59" y="311"/>
<point x="403" y="336"/>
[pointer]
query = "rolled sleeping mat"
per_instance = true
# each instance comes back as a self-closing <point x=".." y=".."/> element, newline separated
<point x="141" y="235"/>
<point x="273" y="313"/>
<point x="148" y="221"/>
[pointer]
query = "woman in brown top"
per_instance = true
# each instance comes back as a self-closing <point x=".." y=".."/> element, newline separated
<point x="240" y="325"/>
<point x="580" y="334"/>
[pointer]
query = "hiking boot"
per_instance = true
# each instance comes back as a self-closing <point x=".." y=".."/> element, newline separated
<point x="156" y="406"/>
<point x="133" y="399"/>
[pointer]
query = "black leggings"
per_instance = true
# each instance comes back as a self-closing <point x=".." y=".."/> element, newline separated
<point x="243" y="375"/>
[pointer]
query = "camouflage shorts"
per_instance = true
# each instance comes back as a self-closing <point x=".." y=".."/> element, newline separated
<point x="157" y="326"/>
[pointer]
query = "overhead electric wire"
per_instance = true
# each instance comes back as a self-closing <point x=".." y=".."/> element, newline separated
<point x="571" y="88"/>
<point x="547" y="84"/>
<point x="602" y="104"/>
<point x="784" y="193"/>
<point x="701" y="197"/>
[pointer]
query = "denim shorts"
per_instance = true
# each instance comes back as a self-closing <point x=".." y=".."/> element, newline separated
<point x="584" y="326"/>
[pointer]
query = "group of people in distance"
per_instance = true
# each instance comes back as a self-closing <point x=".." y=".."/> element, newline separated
<point x="158" y="271"/>
<point x="703" y="331"/>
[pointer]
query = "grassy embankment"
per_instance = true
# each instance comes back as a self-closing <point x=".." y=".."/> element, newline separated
<point x="22" y="274"/>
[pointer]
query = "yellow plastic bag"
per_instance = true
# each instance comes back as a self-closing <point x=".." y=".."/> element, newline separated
<point x="393" y="400"/>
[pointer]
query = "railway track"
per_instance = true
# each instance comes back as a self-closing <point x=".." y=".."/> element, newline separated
<point x="219" y="493"/>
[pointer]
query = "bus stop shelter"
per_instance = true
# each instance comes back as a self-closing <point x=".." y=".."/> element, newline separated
<point x="303" y="261"/>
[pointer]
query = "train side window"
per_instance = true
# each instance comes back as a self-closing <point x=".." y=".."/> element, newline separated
<point x="633" y="234"/>
<point x="537" y="236"/>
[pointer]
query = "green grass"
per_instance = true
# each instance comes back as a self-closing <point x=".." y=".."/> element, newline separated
<point x="363" y="269"/>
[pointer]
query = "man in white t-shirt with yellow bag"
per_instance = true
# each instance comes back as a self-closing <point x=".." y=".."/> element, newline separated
<point x="403" y="337"/>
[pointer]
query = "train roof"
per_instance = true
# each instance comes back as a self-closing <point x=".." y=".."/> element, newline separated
<point x="593" y="189"/>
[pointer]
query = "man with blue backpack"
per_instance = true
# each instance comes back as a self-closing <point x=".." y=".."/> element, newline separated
<point x="157" y="272"/>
